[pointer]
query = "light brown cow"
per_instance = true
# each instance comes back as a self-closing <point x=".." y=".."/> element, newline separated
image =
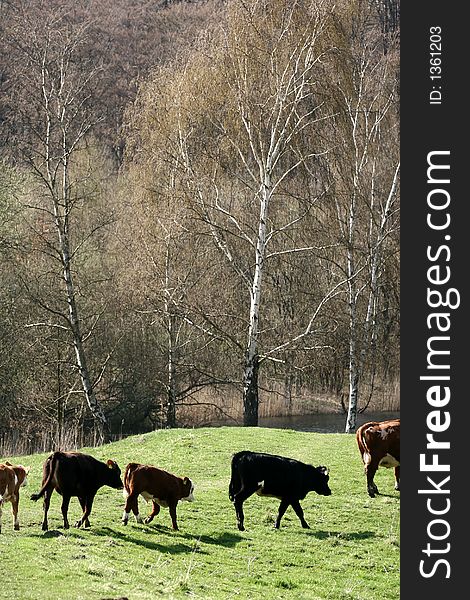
<point x="12" y="477"/>
<point x="379" y="445"/>
<point x="159" y="486"/>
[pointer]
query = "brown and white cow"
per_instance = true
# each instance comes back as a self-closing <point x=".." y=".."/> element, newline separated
<point x="379" y="445"/>
<point x="162" y="488"/>
<point x="12" y="477"/>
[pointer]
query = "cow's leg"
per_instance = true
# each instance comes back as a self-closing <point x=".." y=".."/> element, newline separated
<point x="47" y="502"/>
<point x="371" y="470"/>
<point x="132" y="503"/>
<point x="172" y="507"/>
<point x="234" y="485"/>
<point x="65" y="508"/>
<point x="300" y="513"/>
<point x="397" y="478"/>
<point x="154" y="513"/>
<point x="238" y="500"/>
<point x="82" y="501"/>
<point x="1" y="506"/>
<point x="14" y="510"/>
<point x="282" y="509"/>
<point x="88" y="502"/>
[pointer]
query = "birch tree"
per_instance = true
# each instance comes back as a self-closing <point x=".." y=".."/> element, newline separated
<point x="365" y="177"/>
<point x="267" y="60"/>
<point x="55" y="123"/>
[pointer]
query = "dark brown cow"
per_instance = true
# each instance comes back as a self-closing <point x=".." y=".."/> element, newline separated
<point x="379" y="445"/>
<point x="12" y="477"/>
<point x="76" y="474"/>
<point x="159" y="486"/>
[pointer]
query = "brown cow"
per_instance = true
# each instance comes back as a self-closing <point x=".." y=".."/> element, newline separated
<point x="12" y="477"/>
<point x="159" y="486"/>
<point x="379" y="445"/>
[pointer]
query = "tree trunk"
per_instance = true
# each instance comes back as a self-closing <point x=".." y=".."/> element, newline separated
<point x="171" y="399"/>
<point x="250" y="392"/>
<point x="353" y="357"/>
<point x="250" y="379"/>
<point x="101" y="423"/>
<point x="353" y="394"/>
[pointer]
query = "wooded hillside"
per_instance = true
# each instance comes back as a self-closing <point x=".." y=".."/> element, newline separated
<point x="199" y="212"/>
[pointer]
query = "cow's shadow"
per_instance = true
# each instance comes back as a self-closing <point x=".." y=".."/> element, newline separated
<point x="226" y="539"/>
<point x="170" y="547"/>
<point x="175" y="542"/>
<point x="175" y="546"/>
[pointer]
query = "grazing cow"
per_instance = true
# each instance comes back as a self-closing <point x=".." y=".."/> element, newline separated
<point x="379" y="445"/>
<point x="12" y="477"/>
<point x="76" y="474"/>
<point x="287" y="479"/>
<point x="161" y="487"/>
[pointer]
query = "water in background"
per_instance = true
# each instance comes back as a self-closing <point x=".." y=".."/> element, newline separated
<point x="323" y="423"/>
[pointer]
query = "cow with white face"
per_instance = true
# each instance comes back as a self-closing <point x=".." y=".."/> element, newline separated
<point x="12" y="477"/>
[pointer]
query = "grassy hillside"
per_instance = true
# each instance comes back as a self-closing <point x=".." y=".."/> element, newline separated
<point x="350" y="552"/>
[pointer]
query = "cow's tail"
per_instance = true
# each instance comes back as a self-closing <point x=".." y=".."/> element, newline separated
<point x="235" y="481"/>
<point x="131" y="467"/>
<point x="362" y="444"/>
<point x="48" y="474"/>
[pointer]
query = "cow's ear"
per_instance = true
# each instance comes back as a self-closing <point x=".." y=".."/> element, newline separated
<point x="27" y="469"/>
<point x="110" y="463"/>
<point x="186" y="480"/>
<point x="324" y="470"/>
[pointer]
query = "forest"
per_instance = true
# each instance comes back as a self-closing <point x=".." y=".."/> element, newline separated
<point x="199" y="214"/>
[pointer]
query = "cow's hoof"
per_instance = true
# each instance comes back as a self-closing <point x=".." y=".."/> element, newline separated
<point x="45" y="528"/>
<point x="241" y="528"/>
<point x="124" y="522"/>
<point x="17" y="528"/>
<point x="305" y="525"/>
<point x="148" y="520"/>
<point x="78" y="524"/>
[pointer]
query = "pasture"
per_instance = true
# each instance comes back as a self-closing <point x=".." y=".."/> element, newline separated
<point x="351" y="551"/>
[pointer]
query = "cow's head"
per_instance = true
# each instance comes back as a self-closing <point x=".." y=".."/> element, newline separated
<point x="22" y="474"/>
<point x="321" y="481"/>
<point x="188" y="490"/>
<point x="114" y="475"/>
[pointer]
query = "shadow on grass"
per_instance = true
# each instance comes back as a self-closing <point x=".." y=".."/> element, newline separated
<point x="225" y="539"/>
<point x="170" y="548"/>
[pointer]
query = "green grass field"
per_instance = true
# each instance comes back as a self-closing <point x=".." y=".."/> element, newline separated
<point x="350" y="552"/>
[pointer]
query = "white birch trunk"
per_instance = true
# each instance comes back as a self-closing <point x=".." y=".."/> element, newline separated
<point x="250" y="377"/>
<point x="171" y="372"/>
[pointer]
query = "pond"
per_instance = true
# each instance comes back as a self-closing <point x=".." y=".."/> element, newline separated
<point x="323" y="422"/>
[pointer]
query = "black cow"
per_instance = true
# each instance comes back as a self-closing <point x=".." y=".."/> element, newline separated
<point x="76" y="474"/>
<point x="287" y="479"/>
